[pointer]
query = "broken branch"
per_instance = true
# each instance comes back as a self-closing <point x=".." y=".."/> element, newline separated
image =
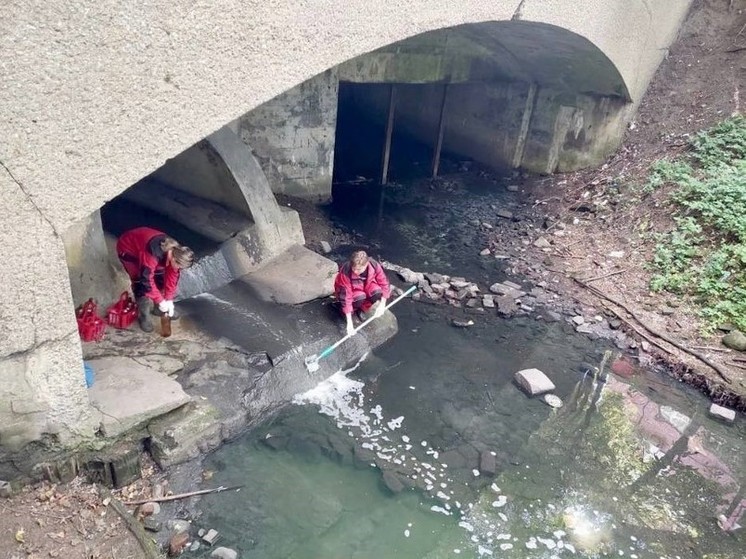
<point x="603" y="276"/>
<point x="717" y="368"/>
<point x="182" y="495"/>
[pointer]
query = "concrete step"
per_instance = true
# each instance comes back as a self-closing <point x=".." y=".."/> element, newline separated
<point x="296" y="276"/>
<point x="126" y="394"/>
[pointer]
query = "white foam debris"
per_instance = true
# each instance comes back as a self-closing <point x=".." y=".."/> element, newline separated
<point x="377" y="412"/>
<point x="503" y="516"/>
<point x="570" y="547"/>
<point x="411" y="387"/>
<point x="368" y="446"/>
<point x="501" y="501"/>
<point x="424" y="443"/>
<point x="475" y="472"/>
<point x="548" y="542"/>
<point x="559" y="534"/>
<point x="443" y="496"/>
<point x="409" y="447"/>
<point x="484" y="551"/>
<point x="409" y="524"/>
<point x="506" y="546"/>
<point x="503" y="537"/>
<point x="495" y="488"/>
<point x="466" y="526"/>
<point x="395" y="423"/>
<point x="441" y="510"/>
<point x="406" y="533"/>
<point x="531" y="543"/>
<point x="405" y="438"/>
<point x="457" y="551"/>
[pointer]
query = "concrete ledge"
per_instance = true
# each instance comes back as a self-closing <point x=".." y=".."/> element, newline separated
<point x="126" y="394"/>
<point x="296" y="276"/>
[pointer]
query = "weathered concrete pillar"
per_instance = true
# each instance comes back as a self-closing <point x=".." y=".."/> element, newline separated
<point x="90" y="264"/>
<point x="42" y="387"/>
<point x="292" y="136"/>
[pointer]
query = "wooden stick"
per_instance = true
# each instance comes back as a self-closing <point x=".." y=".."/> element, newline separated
<point x="182" y="495"/>
<point x="739" y="360"/>
<point x="737" y="365"/>
<point x="603" y="276"/>
<point x="724" y="350"/>
<point x="717" y="368"/>
<point x="736" y="49"/>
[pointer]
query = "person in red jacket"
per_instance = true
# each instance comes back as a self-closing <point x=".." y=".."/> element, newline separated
<point x="153" y="261"/>
<point x="359" y="284"/>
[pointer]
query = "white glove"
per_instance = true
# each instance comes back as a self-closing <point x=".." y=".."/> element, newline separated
<point x="350" y="328"/>
<point x="380" y="309"/>
<point x="166" y="307"/>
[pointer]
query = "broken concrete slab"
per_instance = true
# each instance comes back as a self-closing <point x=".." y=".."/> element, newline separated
<point x="534" y="382"/>
<point x="296" y="276"/>
<point x="723" y="413"/>
<point x="183" y="433"/>
<point x="127" y="394"/>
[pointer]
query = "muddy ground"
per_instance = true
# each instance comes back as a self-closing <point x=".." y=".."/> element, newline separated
<point x="699" y="84"/>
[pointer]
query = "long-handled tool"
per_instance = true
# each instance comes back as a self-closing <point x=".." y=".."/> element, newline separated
<point x="312" y="362"/>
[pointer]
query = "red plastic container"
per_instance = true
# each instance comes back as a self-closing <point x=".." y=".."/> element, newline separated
<point x="122" y="313"/>
<point x="91" y="327"/>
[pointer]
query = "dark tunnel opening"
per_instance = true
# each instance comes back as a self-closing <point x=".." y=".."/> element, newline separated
<point x="362" y="117"/>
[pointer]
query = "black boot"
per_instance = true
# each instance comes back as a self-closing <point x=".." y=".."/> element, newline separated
<point x="144" y="308"/>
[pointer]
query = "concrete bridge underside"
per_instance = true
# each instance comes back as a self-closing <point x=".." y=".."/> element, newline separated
<point x="97" y="96"/>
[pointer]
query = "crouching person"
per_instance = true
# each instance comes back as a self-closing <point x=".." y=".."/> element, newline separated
<point x="360" y="283"/>
<point x="153" y="261"/>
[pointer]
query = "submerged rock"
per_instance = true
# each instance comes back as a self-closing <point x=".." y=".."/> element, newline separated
<point x="552" y="401"/>
<point x="462" y="323"/>
<point x="223" y="553"/>
<point x="392" y="482"/>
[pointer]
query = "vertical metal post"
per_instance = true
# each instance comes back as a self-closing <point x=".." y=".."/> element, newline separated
<point x="387" y="149"/>
<point x="389" y="135"/>
<point x="441" y="128"/>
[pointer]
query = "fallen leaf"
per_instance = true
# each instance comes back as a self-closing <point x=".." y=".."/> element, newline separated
<point x="20" y="536"/>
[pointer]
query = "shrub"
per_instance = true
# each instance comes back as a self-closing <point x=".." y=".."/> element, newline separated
<point x="704" y="256"/>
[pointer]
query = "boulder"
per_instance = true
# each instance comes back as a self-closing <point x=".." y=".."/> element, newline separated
<point x="735" y="340"/>
<point x="506" y="305"/>
<point x="534" y="382"/>
<point x="541" y="242"/>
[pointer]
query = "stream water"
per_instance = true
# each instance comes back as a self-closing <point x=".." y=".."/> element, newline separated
<point x="427" y="449"/>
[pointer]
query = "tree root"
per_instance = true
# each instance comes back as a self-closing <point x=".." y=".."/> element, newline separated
<point x="659" y="335"/>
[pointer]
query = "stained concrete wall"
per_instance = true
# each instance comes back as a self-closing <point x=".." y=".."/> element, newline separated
<point x="96" y="96"/>
<point x="485" y="122"/>
<point x="292" y="136"/>
<point x="90" y="266"/>
<point x="201" y="172"/>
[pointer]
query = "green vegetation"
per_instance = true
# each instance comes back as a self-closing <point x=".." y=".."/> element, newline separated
<point x="705" y="255"/>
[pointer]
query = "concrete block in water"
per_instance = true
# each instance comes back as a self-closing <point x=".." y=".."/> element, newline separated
<point x="487" y="463"/>
<point x="723" y="413"/>
<point x="534" y="382"/>
<point x="224" y="553"/>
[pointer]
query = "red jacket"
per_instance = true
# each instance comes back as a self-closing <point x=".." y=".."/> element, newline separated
<point x="140" y="252"/>
<point x="350" y="286"/>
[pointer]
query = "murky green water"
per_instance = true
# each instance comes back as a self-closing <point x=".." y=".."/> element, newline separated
<point x="581" y="481"/>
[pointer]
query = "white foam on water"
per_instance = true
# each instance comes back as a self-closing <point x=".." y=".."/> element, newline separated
<point x="441" y="510"/>
<point x="475" y="472"/>
<point x="506" y="546"/>
<point x="406" y="533"/>
<point x="405" y="438"/>
<point x="484" y="551"/>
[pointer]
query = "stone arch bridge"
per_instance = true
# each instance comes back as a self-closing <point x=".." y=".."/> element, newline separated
<point x="96" y="96"/>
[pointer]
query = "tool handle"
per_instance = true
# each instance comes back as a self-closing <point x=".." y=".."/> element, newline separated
<point x="334" y="346"/>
